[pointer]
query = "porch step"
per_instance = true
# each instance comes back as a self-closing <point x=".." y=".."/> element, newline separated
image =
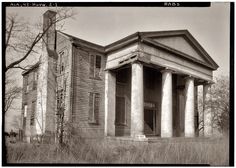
<point x="154" y="139"/>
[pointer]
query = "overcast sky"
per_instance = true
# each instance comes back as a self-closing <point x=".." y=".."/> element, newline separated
<point x="104" y="25"/>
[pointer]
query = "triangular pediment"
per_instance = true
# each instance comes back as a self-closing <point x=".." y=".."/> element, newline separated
<point x="182" y="42"/>
<point x="179" y="43"/>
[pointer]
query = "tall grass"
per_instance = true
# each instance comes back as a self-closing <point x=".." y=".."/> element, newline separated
<point x="102" y="151"/>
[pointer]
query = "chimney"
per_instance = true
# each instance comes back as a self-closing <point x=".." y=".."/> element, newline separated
<point x="49" y="38"/>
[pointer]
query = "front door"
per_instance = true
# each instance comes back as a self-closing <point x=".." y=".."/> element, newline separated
<point x="150" y="121"/>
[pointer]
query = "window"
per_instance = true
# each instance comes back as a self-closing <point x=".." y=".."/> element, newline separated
<point x="35" y="76"/>
<point x="33" y="109"/>
<point x="59" y="98"/>
<point x="25" y="110"/>
<point x="61" y="65"/>
<point x="95" y="66"/>
<point x="35" y="80"/>
<point x="27" y="83"/>
<point x="94" y="101"/>
<point x="120" y="111"/>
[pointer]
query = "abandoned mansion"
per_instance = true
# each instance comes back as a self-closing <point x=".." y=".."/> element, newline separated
<point x="144" y="85"/>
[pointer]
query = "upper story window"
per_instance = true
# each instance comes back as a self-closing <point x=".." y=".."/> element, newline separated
<point x="95" y="66"/>
<point x="35" y="76"/>
<point x="35" y="80"/>
<point x="27" y="83"/>
<point x="61" y="65"/>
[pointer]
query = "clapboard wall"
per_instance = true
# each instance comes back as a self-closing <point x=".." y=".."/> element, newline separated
<point x="82" y="86"/>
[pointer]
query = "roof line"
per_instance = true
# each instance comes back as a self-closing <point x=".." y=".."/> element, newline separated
<point x="79" y="39"/>
<point x="137" y="35"/>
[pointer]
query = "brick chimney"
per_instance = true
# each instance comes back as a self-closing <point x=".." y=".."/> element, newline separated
<point x="49" y="38"/>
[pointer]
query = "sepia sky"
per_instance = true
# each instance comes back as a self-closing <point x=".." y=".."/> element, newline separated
<point x="104" y="25"/>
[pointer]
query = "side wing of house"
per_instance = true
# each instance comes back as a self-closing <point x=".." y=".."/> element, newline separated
<point x="88" y="89"/>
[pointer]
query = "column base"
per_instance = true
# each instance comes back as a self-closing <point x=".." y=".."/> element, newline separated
<point x="138" y="137"/>
<point x="166" y="136"/>
<point x="189" y="135"/>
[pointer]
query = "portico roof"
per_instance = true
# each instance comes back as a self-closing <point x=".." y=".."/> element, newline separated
<point x="149" y="38"/>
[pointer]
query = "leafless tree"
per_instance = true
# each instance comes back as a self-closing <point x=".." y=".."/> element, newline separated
<point x="12" y="92"/>
<point x="23" y="39"/>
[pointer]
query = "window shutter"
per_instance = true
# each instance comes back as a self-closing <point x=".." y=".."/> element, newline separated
<point x="33" y="108"/>
<point x="96" y="108"/>
<point x="90" y="117"/>
<point x="92" y="65"/>
<point x="98" y="61"/>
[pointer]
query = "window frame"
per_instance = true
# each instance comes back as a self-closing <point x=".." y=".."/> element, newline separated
<point x="32" y="116"/>
<point x="93" y="75"/>
<point x="27" y="86"/>
<point x="95" y="119"/>
<point x="61" y="64"/>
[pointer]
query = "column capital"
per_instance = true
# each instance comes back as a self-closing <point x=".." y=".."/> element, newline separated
<point x="166" y="69"/>
<point x="189" y="77"/>
<point x="208" y="83"/>
<point x="136" y="62"/>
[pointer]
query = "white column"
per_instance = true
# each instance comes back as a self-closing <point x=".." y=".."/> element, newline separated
<point x="110" y="103"/>
<point x="196" y="113"/>
<point x="189" y="129"/>
<point x="166" y="105"/>
<point x="207" y="110"/>
<point x="137" y="112"/>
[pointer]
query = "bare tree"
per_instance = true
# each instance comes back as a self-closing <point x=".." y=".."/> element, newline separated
<point x="12" y="92"/>
<point x="23" y="39"/>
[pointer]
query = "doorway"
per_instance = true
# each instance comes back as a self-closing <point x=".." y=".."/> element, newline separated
<point x="149" y="121"/>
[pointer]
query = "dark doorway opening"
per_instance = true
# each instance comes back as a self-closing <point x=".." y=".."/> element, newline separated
<point x="149" y="121"/>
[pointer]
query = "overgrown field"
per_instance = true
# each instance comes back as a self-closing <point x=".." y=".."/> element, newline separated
<point x="213" y="152"/>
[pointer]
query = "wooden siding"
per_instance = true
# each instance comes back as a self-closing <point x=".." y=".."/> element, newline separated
<point x="64" y="78"/>
<point x="83" y="84"/>
<point x="27" y="99"/>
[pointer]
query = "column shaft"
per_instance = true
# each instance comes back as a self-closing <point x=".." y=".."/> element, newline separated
<point x="207" y="110"/>
<point x="110" y="103"/>
<point x="166" y="105"/>
<point x="196" y="115"/>
<point x="189" y="108"/>
<point x="137" y="112"/>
